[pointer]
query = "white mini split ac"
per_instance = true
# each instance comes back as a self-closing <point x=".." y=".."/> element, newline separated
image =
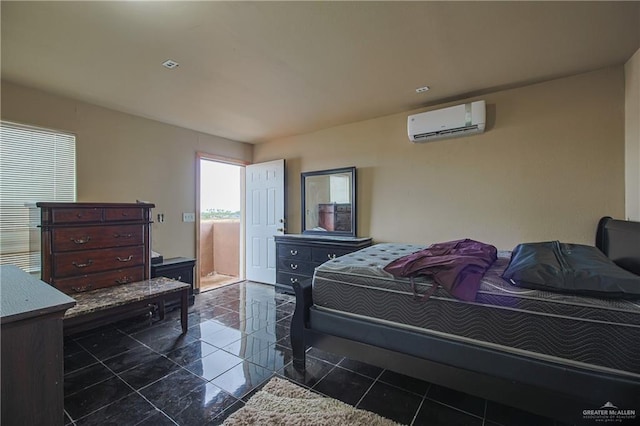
<point x="451" y="122"/>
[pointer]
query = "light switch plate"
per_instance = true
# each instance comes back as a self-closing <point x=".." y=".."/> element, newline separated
<point x="188" y="217"/>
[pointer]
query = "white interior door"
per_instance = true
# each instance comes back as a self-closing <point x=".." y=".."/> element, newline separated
<point x="264" y="218"/>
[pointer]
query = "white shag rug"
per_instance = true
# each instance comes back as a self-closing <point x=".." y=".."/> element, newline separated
<point x="280" y="402"/>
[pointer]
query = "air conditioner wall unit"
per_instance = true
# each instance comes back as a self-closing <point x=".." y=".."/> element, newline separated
<point x="452" y="122"/>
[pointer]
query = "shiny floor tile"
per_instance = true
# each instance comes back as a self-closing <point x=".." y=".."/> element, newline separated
<point x="191" y="352"/>
<point x="344" y="385"/>
<point x="130" y="359"/>
<point x="223" y="337"/>
<point x="144" y="374"/>
<point x="78" y="360"/>
<point x="324" y="356"/>
<point x="230" y="319"/>
<point x="213" y="365"/>
<point x="267" y="333"/>
<point x="247" y="346"/>
<point x="107" y="344"/>
<point x="206" y="327"/>
<point x="411" y="384"/>
<point x="241" y="379"/>
<point x="129" y="410"/>
<point x="361" y="368"/>
<point x="435" y="414"/>
<point x="157" y="419"/>
<point x="390" y="402"/>
<point x="164" y="343"/>
<point x="95" y="397"/>
<point x="506" y="416"/>
<point x="200" y="406"/>
<point x="219" y="420"/>
<point x="78" y="380"/>
<point x="274" y="358"/>
<point x="461" y="401"/>
<point x="172" y="387"/>
<point x="144" y="371"/>
<point x="314" y="372"/>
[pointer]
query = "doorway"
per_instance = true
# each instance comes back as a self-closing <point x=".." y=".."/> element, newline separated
<point x="220" y="248"/>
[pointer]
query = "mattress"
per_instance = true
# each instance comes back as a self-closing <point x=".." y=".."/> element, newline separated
<point x="599" y="334"/>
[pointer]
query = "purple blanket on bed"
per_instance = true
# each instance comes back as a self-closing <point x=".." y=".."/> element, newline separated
<point x="458" y="266"/>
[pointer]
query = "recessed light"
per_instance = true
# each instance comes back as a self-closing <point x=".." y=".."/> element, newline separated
<point x="170" y="64"/>
<point x="422" y="89"/>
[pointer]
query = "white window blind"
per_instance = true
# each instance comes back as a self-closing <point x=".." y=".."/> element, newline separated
<point x="35" y="165"/>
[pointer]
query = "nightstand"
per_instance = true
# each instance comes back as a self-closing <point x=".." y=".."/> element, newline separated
<point x="178" y="268"/>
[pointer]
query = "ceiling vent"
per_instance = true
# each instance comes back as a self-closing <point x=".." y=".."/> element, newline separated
<point x="170" y="64"/>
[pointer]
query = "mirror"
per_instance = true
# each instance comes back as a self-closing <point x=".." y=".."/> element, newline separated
<point x="328" y="202"/>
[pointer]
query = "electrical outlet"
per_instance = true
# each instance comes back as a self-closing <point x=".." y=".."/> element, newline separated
<point x="188" y="217"/>
<point x="160" y="217"/>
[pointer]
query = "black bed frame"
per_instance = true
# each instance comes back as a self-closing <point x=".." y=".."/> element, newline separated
<point x="543" y="387"/>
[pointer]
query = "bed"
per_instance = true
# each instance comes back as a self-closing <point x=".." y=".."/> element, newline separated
<point x="549" y="353"/>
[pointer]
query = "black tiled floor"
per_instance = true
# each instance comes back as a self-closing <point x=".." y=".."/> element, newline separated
<point x="142" y="372"/>
<point x="344" y="385"/>
<point x="131" y="409"/>
<point x="462" y="401"/>
<point x="434" y="414"/>
<point x="417" y="386"/>
<point x="242" y="379"/>
<point x="130" y="359"/>
<point x="391" y="402"/>
<point x="213" y="365"/>
<point x="172" y="387"/>
<point x="361" y="368"/>
<point x="191" y="352"/>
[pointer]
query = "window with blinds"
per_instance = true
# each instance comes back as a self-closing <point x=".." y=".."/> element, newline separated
<point x="35" y="165"/>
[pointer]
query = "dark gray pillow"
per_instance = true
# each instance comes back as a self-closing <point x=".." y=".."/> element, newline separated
<point x="570" y="268"/>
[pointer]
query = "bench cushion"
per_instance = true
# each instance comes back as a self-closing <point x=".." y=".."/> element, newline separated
<point x="111" y="297"/>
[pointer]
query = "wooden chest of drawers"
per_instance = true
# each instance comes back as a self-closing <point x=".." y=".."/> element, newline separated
<point x="298" y="255"/>
<point x="334" y="217"/>
<point x="87" y="246"/>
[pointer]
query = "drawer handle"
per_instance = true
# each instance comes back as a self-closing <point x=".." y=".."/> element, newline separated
<point x="81" y="240"/>
<point x="128" y="259"/>
<point x="83" y="288"/>
<point x="79" y="215"/>
<point x="294" y="281"/>
<point x="124" y="280"/>
<point x="122" y="235"/>
<point x="331" y="256"/>
<point x="293" y="266"/>
<point x="293" y="252"/>
<point x="82" y="265"/>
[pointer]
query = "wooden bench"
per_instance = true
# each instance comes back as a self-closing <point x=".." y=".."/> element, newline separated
<point x="106" y="305"/>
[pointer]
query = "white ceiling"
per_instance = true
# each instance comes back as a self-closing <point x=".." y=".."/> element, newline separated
<point x="255" y="71"/>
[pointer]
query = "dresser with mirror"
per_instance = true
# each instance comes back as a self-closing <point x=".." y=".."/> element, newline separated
<point x="328" y="225"/>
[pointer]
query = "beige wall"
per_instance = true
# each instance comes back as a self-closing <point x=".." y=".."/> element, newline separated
<point x="632" y="137"/>
<point x="121" y="158"/>
<point x="226" y="247"/>
<point x="549" y="165"/>
<point x="206" y="248"/>
<point x="220" y="247"/>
